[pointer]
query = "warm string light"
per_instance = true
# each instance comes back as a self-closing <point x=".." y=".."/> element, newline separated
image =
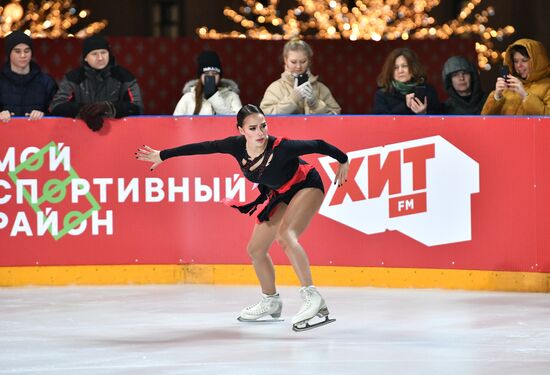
<point x="49" y="19"/>
<point x="364" y="20"/>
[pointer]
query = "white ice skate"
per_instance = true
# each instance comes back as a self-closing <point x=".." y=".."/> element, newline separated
<point x="314" y="305"/>
<point x="269" y="305"/>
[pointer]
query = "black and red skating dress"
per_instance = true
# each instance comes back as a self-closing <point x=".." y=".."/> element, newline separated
<point x="278" y="171"/>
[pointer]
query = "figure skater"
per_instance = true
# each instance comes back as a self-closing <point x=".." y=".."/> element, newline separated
<point x="291" y="192"/>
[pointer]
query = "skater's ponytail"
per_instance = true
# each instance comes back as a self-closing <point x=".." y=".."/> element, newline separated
<point x="246" y="111"/>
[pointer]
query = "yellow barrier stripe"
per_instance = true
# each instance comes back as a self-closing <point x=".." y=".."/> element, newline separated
<point x="244" y="274"/>
<point x="90" y="275"/>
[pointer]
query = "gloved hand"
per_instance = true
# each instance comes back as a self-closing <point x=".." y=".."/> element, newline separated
<point x="209" y="86"/>
<point x="93" y="109"/>
<point x="300" y="89"/>
<point x="92" y="114"/>
<point x="94" y="123"/>
<point x="306" y="91"/>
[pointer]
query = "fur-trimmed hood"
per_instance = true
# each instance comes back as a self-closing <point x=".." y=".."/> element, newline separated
<point x="227" y="84"/>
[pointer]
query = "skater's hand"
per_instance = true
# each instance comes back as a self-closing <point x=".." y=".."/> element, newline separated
<point x="342" y="174"/>
<point x="146" y="153"/>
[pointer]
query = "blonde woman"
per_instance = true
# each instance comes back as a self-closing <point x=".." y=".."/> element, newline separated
<point x="298" y="91"/>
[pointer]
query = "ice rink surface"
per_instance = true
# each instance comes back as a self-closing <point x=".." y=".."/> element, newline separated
<point x="192" y="329"/>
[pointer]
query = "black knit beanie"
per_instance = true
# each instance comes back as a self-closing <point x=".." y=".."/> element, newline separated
<point x="15" y="38"/>
<point x="94" y="42"/>
<point x="207" y="61"/>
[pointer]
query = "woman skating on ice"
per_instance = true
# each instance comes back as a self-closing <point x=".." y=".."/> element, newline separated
<point x="294" y="193"/>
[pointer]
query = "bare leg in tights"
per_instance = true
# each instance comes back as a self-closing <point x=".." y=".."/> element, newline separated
<point x="285" y="226"/>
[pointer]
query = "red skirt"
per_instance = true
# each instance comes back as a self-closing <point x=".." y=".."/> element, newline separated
<point x="305" y="177"/>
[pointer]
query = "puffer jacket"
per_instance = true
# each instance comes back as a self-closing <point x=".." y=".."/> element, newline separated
<point x="280" y="98"/>
<point x="225" y="101"/>
<point x="22" y="93"/>
<point x="456" y="104"/>
<point x="537" y="85"/>
<point x="85" y="85"/>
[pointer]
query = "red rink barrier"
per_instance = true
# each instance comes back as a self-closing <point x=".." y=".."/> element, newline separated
<point x="466" y="193"/>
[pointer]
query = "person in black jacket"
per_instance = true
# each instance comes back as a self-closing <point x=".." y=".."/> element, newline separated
<point x="24" y="89"/>
<point x="99" y="88"/>
<point x="402" y="87"/>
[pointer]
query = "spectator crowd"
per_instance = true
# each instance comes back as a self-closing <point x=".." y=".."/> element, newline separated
<point x="100" y="88"/>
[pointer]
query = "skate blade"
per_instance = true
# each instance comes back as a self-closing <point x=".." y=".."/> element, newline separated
<point x="268" y="320"/>
<point x="305" y="326"/>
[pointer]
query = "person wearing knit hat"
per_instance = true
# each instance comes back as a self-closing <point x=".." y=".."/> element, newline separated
<point x="208" y="61"/>
<point x="15" y="38"/>
<point x="94" y="42"/>
<point x="24" y="89"/>
<point x="461" y="81"/>
<point x="96" y="52"/>
<point x="98" y="89"/>
<point x="209" y="94"/>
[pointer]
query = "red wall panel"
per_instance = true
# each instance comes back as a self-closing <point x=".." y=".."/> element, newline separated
<point x="507" y="217"/>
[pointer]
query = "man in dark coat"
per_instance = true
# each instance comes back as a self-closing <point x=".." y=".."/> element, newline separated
<point x="98" y="89"/>
<point x="24" y="89"/>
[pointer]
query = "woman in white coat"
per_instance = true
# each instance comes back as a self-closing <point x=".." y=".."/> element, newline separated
<point x="209" y="94"/>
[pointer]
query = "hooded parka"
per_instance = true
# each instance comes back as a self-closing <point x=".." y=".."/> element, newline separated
<point x="537" y="85"/>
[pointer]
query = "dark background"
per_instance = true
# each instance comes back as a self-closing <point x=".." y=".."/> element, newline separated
<point x="173" y="18"/>
<point x="137" y="17"/>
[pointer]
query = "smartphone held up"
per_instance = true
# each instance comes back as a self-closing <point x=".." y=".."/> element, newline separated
<point x="301" y="79"/>
<point x="504" y="72"/>
<point x="209" y="86"/>
<point x="420" y="92"/>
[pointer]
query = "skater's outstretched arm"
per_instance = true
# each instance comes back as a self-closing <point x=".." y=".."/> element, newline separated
<point x="224" y="146"/>
<point x="318" y="146"/>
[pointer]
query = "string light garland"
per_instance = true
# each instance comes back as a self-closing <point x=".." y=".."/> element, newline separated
<point x="48" y="19"/>
<point x="364" y="20"/>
